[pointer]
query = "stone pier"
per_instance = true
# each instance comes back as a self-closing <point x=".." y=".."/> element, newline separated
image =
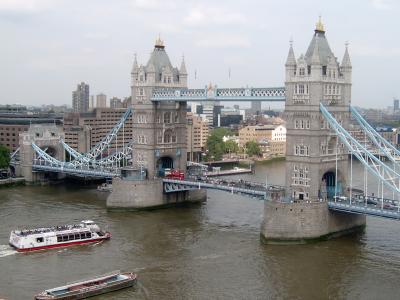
<point x="286" y="223"/>
<point x="148" y="194"/>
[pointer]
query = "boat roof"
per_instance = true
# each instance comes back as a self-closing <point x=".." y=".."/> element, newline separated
<point x="54" y="228"/>
<point x="100" y="277"/>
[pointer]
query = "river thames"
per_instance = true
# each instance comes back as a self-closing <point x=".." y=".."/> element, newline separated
<point x="207" y="251"/>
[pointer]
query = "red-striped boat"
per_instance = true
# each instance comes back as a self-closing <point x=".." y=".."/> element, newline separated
<point x="59" y="236"/>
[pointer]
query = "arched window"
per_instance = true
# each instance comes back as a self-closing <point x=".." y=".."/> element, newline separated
<point x="167" y="136"/>
<point x="167" y="117"/>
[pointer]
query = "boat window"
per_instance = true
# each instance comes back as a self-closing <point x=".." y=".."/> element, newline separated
<point x="77" y="236"/>
<point x="71" y="237"/>
<point x="83" y="235"/>
<point x="59" y="238"/>
<point x="65" y="238"/>
<point x="39" y="239"/>
<point x="88" y="235"/>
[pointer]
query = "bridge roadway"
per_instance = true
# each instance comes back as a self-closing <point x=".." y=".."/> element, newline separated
<point x="371" y="206"/>
<point x="252" y="189"/>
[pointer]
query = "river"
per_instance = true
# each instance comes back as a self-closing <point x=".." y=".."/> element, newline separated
<point x="208" y="251"/>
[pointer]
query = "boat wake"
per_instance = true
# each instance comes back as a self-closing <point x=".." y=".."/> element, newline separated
<point x="6" y="250"/>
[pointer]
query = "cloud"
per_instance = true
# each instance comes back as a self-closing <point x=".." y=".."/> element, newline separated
<point x="96" y="36"/>
<point x="374" y="51"/>
<point x="381" y="4"/>
<point x="201" y="16"/>
<point x="223" y="41"/>
<point x="153" y="4"/>
<point x="25" y="6"/>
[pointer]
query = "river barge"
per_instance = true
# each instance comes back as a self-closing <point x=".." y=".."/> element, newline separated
<point x="87" y="288"/>
<point x="58" y="236"/>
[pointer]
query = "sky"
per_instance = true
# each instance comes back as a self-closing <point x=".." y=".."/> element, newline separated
<point x="49" y="46"/>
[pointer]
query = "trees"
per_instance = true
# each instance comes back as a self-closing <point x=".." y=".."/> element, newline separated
<point x="215" y="144"/>
<point x="231" y="147"/>
<point x="252" y="148"/>
<point x="4" y="157"/>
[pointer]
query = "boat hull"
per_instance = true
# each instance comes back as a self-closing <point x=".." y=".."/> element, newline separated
<point x="68" y="244"/>
<point x="79" y="294"/>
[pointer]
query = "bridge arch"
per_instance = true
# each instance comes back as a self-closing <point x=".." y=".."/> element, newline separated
<point x="163" y="163"/>
<point x="328" y="184"/>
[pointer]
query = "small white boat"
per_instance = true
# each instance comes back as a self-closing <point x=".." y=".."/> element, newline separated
<point x="88" y="288"/>
<point x="59" y="236"/>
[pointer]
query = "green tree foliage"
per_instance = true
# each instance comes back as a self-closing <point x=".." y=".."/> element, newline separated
<point x="4" y="157"/>
<point x="231" y="147"/>
<point x="252" y="148"/>
<point x="221" y="132"/>
<point x="216" y="146"/>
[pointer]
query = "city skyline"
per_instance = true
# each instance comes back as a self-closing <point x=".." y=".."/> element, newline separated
<point x="231" y="45"/>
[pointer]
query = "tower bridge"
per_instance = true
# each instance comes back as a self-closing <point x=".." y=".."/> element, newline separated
<point x="318" y="199"/>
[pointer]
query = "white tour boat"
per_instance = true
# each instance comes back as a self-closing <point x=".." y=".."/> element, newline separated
<point x="59" y="236"/>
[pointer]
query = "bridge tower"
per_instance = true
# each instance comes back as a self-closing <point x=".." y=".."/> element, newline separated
<point x="47" y="137"/>
<point x="312" y="149"/>
<point x="312" y="175"/>
<point x="159" y="135"/>
<point x="159" y="127"/>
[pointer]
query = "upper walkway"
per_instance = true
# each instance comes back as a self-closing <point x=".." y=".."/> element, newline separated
<point x="211" y="93"/>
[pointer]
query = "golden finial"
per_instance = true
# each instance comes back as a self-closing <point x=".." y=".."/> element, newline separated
<point x="319" y="26"/>
<point x="159" y="42"/>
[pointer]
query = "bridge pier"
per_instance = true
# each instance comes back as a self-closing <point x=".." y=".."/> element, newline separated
<point x="148" y="194"/>
<point x="301" y="222"/>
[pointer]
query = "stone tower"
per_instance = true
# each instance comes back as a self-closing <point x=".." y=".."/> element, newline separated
<point x="311" y="148"/>
<point x="159" y="127"/>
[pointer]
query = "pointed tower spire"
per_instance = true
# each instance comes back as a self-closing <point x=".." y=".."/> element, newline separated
<point x="291" y="59"/>
<point x="182" y="69"/>
<point x="315" y="60"/>
<point x="346" y="57"/>
<point x="135" y="66"/>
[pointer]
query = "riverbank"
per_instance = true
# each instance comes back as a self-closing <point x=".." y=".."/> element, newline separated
<point x="12" y="181"/>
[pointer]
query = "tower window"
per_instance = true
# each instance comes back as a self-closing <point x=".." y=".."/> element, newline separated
<point x="309" y="70"/>
<point x="324" y="70"/>
<point x="301" y="72"/>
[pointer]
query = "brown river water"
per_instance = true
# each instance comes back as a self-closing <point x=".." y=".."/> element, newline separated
<point x="207" y="251"/>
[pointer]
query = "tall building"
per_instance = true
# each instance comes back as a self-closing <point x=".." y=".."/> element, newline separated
<point x="160" y="127"/>
<point x="256" y="107"/>
<point x="92" y="103"/>
<point x="314" y="78"/>
<point x="116" y="103"/>
<point x="396" y="104"/>
<point x="85" y="130"/>
<point x="80" y="98"/>
<point x="101" y="101"/>
<point x="197" y="134"/>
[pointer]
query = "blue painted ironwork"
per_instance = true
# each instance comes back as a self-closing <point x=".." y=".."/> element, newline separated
<point x="385" y="148"/>
<point x="173" y="185"/>
<point x="219" y="94"/>
<point x="389" y="176"/>
<point x="356" y="207"/>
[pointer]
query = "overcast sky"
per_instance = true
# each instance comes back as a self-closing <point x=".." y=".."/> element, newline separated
<point x="47" y="46"/>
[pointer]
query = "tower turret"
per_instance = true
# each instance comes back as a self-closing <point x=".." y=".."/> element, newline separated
<point x="290" y="63"/>
<point x="346" y="65"/>
<point x="183" y="73"/>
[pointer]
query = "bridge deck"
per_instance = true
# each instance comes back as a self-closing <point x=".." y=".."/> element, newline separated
<point x="357" y="206"/>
